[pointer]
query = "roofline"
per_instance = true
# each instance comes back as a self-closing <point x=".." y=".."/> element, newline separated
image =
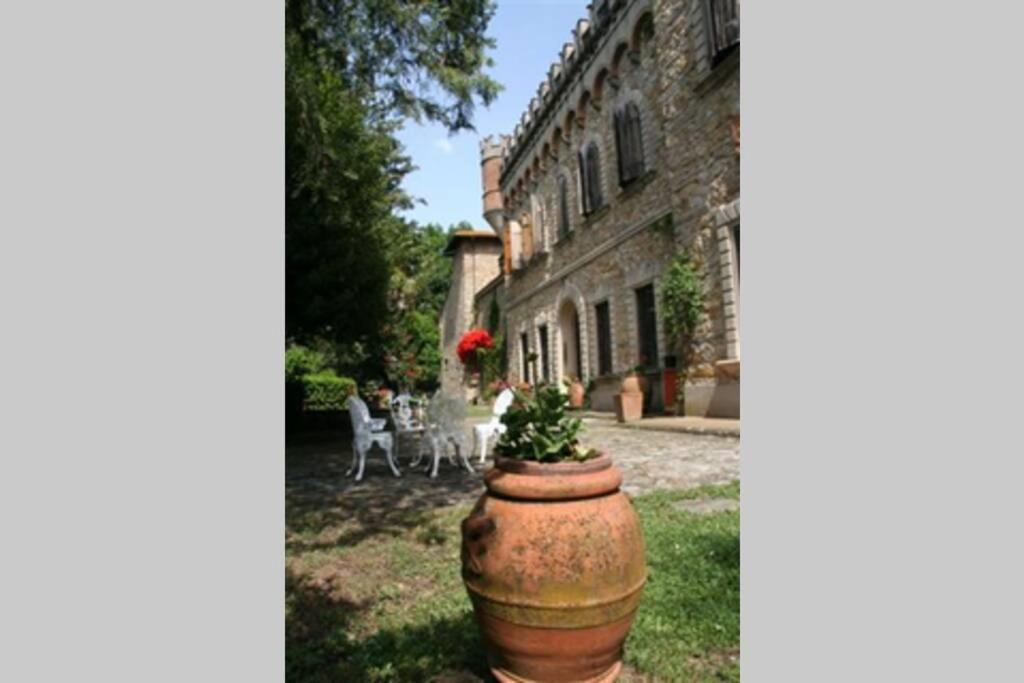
<point x="459" y="235"/>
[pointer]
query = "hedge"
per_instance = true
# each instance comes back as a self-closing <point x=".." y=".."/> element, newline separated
<point x="300" y="361"/>
<point x="325" y="391"/>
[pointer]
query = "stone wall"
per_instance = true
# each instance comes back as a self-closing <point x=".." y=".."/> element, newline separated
<point x="700" y="106"/>
<point x="652" y="53"/>
<point x="475" y="263"/>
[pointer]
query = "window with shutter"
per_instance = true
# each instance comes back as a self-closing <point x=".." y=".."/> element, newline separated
<point x="563" y="206"/>
<point x="620" y="150"/>
<point x="723" y="22"/>
<point x="593" y="163"/>
<point x="629" y="140"/>
<point x="636" y="140"/>
<point x="584" y="181"/>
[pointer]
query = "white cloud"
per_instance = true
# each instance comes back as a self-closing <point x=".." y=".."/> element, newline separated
<point x="443" y="145"/>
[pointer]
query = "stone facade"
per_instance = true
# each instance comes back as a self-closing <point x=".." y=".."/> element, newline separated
<point x="476" y="261"/>
<point x="564" y="258"/>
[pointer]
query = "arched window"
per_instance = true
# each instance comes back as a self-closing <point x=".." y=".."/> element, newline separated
<point x="590" y="178"/>
<point x="563" y="207"/>
<point x="629" y="142"/>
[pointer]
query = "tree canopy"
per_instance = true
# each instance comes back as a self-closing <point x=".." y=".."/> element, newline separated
<point x="418" y="59"/>
<point x="355" y="71"/>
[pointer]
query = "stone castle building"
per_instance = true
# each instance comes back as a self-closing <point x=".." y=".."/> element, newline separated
<point x="628" y="154"/>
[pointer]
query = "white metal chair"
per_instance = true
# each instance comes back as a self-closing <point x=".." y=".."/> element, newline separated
<point x="483" y="433"/>
<point x="368" y="431"/>
<point x="446" y="416"/>
<point x="405" y="419"/>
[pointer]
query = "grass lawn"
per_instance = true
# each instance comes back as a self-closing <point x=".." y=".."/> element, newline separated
<point x="482" y="410"/>
<point x="390" y="605"/>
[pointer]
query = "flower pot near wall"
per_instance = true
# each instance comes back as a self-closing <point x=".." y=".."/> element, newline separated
<point x="576" y="393"/>
<point x="553" y="560"/>
<point x="629" y="402"/>
<point x="631" y="384"/>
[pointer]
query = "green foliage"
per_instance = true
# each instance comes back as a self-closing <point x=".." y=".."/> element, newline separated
<point x="682" y="297"/>
<point x="341" y="182"/>
<point x="354" y="70"/>
<point x="420" y="276"/>
<point x="423" y="59"/>
<point x="300" y="361"/>
<point x="538" y="428"/>
<point x="493" y="317"/>
<point x="491" y="361"/>
<point x="682" y="300"/>
<point x="326" y="391"/>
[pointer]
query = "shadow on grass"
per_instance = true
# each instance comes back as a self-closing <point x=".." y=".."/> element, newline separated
<point x="320" y="647"/>
<point x="419" y="653"/>
<point x="320" y="497"/>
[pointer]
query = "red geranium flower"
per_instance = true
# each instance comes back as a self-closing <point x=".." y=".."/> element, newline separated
<point x="471" y="342"/>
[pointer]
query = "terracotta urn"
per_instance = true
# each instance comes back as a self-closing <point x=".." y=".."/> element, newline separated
<point x="576" y="393"/>
<point x="553" y="560"/>
<point x="629" y="402"/>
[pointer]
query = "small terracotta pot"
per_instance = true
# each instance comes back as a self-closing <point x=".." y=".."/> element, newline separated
<point x="553" y="560"/>
<point x="576" y="395"/>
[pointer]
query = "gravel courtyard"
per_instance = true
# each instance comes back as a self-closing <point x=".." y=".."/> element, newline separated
<point x="649" y="460"/>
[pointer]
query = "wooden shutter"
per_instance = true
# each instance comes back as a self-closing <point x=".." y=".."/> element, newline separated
<point x="724" y="16"/>
<point x="636" y="144"/>
<point x="563" y="206"/>
<point x="620" y="150"/>
<point x="584" y="181"/>
<point x="594" y="176"/>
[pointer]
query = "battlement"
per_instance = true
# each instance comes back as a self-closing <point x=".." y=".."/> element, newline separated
<point x="575" y="57"/>
<point x="493" y="146"/>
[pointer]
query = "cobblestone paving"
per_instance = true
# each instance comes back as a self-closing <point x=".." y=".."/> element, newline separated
<point x="649" y="460"/>
<point x="652" y="460"/>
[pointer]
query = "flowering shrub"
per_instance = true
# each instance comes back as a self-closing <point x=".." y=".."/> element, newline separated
<point x="471" y="342"/>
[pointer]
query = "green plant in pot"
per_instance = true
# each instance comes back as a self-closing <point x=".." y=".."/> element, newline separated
<point x="552" y="552"/>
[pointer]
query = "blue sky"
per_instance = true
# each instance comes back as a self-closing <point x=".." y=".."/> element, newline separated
<point x="530" y="35"/>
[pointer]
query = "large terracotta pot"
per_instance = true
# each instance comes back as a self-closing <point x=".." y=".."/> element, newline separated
<point x="631" y="384"/>
<point x="553" y="559"/>
<point x="576" y="395"/>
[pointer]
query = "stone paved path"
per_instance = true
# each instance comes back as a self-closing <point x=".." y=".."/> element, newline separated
<point x="652" y="460"/>
<point x="649" y="460"/>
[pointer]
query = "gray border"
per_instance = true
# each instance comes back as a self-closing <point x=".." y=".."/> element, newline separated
<point x="142" y="271"/>
<point x="881" y="283"/>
